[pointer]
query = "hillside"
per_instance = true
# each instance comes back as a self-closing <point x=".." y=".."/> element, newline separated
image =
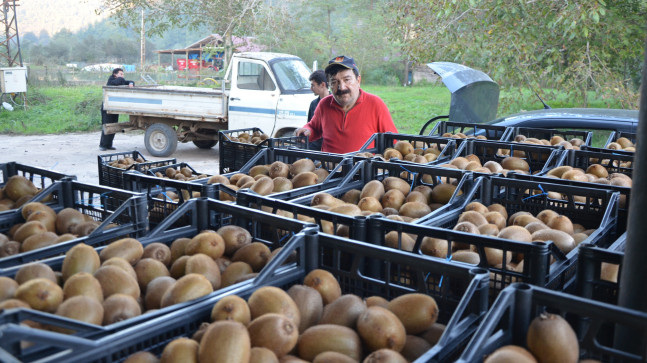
<point x="54" y="15"/>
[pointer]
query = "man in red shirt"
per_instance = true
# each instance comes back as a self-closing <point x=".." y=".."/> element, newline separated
<point x="349" y="116"/>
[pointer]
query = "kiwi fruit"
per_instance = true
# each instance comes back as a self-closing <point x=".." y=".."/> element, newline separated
<point x="234" y="271"/>
<point x="8" y="287"/>
<point x="385" y="355"/>
<point x="551" y="339"/>
<point x="401" y="241"/>
<point x="442" y="193"/>
<point x="205" y="266"/>
<point x="564" y="241"/>
<point x="234" y="237"/>
<point x="329" y="338"/>
<point x="263" y="355"/>
<point x="380" y="328"/>
<point x="180" y="350"/>
<point x="208" y="242"/>
<point x="158" y="251"/>
<point x="82" y="308"/>
<point x="9" y="248"/>
<point x="466" y="256"/>
<point x="34" y="270"/>
<point x="309" y="303"/>
<point x="122" y="264"/>
<point x="41" y="294"/>
<point x="263" y="186"/>
<point x="231" y="307"/>
<point x="255" y="254"/>
<point x="562" y="223"/>
<point x="417" y="312"/>
<point x="188" y="287"/>
<point x="274" y="331"/>
<point x="352" y="196"/>
<point x="324" y="282"/>
<point x="28" y="229"/>
<point x="304" y="179"/>
<point x="371" y="204"/>
<point x="279" y="169"/>
<point x="373" y="188"/>
<point x="516" y="233"/>
<point x="282" y="184"/>
<point x="270" y="299"/>
<point x="178" y="267"/>
<point x="392" y="182"/>
<point x="82" y="284"/>
<point x="67" y="219"/>
<point x="156" y="290"/>
<point x="393" y="198"/>
<point x="115" y="280"/>
<point x="510" y="353"/>
<point x="343" y="311"/>
<point x="148" y="269"/>
<point x="17" y="186"/>
<point x="46" y="218"/>
<point x="13" y="304"/>
<point x="225" y="341"/>
<point x="301" y="166"/>
<point x="118" y="307"/>
<point x="434" y="247"/>
<point x="178" y="247"/>
<point x="129" y="249"/>
<point x="433" y="334"/>
<point x="414" y="209"/>
<point x="259" y="170"/>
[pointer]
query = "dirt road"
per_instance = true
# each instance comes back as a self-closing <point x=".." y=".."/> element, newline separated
<point x="76" y="153"/>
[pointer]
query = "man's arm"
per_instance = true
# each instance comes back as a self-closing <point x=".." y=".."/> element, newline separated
<point x="313" y="128"/>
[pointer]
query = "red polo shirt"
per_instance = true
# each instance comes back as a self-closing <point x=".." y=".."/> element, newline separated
<point x="343" y="133"/>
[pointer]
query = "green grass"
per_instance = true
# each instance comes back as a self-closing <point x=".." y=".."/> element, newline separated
<point x="55" y="110"/>
<point x="411" y="107"/>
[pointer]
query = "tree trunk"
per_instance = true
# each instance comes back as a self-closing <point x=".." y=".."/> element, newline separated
<point x="228" y="49"/>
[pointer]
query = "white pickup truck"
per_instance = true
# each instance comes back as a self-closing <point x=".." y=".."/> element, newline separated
<point x="270" y="91"/>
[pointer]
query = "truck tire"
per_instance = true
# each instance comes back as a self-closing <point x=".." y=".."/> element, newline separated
<point x="205" y="144"/>
<point x="161" y="140"/>
<point x="285" y="133"/>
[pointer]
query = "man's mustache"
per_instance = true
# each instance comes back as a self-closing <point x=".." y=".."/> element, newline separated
<point x="342" y="92"/>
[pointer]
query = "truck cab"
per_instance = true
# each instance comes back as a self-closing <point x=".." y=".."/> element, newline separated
<point x="268" y="89"/>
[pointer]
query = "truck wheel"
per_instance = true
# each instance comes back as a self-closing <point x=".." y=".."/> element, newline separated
<point x="205" y="144"/>
<point x="285" y="133"/>
<point x="161" y="140"/>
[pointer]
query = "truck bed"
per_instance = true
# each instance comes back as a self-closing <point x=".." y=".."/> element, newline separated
<point x="177" y="102"/>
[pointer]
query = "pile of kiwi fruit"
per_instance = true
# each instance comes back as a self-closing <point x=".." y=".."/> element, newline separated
<point x="255" y="137"/>
<point x="461" y="135"/>
<point x="274" y="178"/>
<point x="391" y="197"/>
<point x="310" y="322"/>
<point x="623" y="144"/>
<point x="17" y="191"/>
<point x="415" y="152"/>
<point x="182" y="173"/>
<point x="549" y="338"/>
<point x="125" y="279"/>
<point x="45" y="227"/>
<point x="126" y="162"/>
<point x="574" y="143"/>
<point x="472" y="162"/>
<point x="522" y="226"/>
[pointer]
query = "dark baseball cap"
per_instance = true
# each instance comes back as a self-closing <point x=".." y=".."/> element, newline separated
<point x="343" y="61"/>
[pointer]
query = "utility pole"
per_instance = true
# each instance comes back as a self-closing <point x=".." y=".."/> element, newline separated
<point x="11" y="41"/>
<point x="142" y="45"/>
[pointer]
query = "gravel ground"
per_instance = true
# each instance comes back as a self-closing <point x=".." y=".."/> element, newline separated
<point x="76" y="153"/>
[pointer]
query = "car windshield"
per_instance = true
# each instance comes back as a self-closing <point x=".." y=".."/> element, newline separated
<point x="292" y="75"/>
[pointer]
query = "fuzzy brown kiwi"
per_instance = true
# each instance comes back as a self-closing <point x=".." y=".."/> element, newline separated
<point x="551" y="339"/>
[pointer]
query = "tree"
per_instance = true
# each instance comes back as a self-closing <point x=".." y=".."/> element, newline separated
<point x="573" y="46"/>
<point x="226" y="17"/>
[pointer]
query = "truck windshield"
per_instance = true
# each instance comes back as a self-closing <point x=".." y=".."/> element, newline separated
<point x="292" y="75"/>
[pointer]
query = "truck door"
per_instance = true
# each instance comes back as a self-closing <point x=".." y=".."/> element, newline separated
<point x="253" y="96"/>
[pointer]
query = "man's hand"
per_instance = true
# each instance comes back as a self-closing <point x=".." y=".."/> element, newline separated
<point x="302" y="131"/>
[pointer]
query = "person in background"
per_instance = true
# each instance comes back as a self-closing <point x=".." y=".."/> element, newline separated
<point x="349" y="116"/>
<point x="116" y="79"/>
<point x="318" y="85"/>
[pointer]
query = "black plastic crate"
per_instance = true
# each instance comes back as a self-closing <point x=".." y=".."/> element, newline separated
<point x="159" y="194"/>
<point x="338" y="166"/>
<point x="204" y="213"/>
<point x="547" y="134"/>
<point x="538" y="157"/>
<point x="583" y="159"/>
<point x="590" y="282"/>
<point x="110" y="206"/>
<point x="235" y="154"/>
<point x="490" y="132"/>
<point x="41" y="178"/>
<point x="632" y="136"/>
<point x="508" y="319"/>
<point x="114" y="177"/>
<point x="379" y="142"/>
<point x="374" y="169"/>
<point x="593" y="208"/>
<point x="459" y="291"/>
